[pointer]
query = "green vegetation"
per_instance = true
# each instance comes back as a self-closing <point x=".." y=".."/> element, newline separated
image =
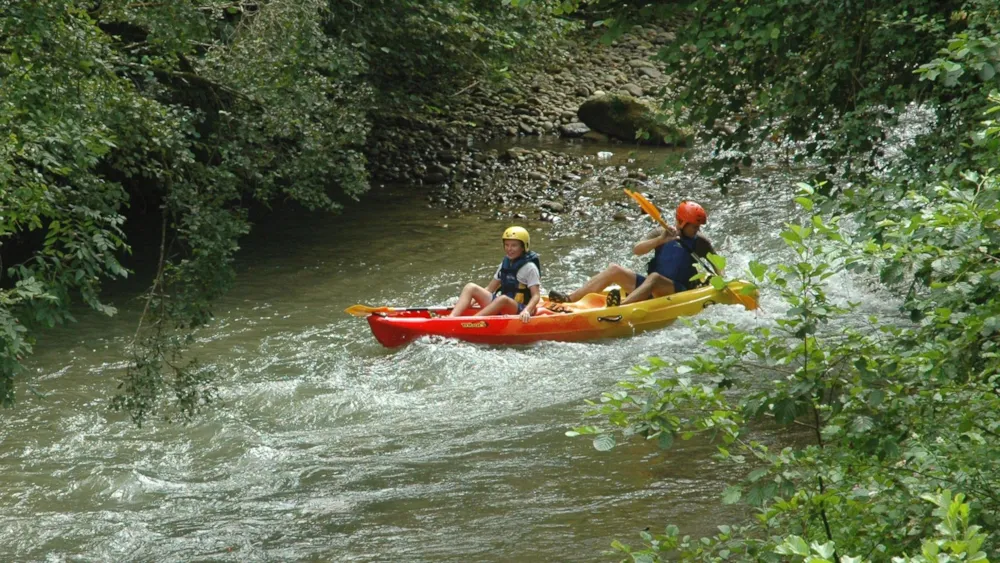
<point x="188" y="114"/>
<point x="185" y="115"/>
<point x="895" y="415"/>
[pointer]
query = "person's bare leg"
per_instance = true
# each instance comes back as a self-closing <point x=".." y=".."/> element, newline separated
<point x="614" y="274"/>
<point x="469" y="293"/>
<point x="655" y="285"/>
<point x="502" y="305"/>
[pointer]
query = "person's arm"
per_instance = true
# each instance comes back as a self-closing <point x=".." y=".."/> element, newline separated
<point x="532" y="305"/>
<point x="531" y="276"/>
<point x="493" y="286"/>
<point x="653" y="240"/>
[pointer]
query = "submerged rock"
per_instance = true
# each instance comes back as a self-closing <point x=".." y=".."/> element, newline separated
<point x="435" y="178"/>
<point x="553" y="206"/>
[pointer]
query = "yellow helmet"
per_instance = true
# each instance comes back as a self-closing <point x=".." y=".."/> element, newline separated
<point x="517" y="233"/>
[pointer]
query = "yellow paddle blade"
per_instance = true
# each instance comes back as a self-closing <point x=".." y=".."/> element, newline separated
<point x="748" y="300"/>
<point x="365" y="310"/>
<point x="647" y="206"/>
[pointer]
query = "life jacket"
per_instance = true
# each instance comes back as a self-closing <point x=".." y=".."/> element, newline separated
<point x="675" y="261"/>
<point x="509" y="285"/>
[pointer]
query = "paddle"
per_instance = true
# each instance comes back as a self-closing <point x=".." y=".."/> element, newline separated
<point x="365" y="310"/>
<point x="653" y="212"/>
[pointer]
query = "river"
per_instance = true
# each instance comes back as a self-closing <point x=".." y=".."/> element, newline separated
<point x="327" y="447"/>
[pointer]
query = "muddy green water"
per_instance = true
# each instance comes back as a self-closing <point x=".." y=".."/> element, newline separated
<point x="327" y="447"/>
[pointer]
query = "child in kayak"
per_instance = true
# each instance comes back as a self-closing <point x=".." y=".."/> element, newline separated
<point x="669" y="271"/>
<point x="514" y="289"/>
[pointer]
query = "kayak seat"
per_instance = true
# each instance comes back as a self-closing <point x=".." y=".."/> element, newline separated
<point x="588" y="302"/>
<point x="591" y="301"/>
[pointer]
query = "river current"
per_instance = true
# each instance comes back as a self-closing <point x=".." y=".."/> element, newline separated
<point x="325" y="446"/>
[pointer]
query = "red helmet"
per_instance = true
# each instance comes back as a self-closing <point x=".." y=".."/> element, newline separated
<point x="691" y="212"/>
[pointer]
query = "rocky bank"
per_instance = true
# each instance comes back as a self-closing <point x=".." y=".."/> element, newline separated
<point x="441" y="153"/>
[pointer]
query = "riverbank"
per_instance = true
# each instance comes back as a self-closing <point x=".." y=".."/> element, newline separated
<point x="447" y="152"/>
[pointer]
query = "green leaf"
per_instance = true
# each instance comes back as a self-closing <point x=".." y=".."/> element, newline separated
<point x="785" y="410"/>
<point x="862" y="424"/>
<point x="805" y="188"/>
<point x="824" y="550"/>
<point x="756" y="474"/>
<point x="759" y="494"/>
<point x="930" y="550"/>
<point x="665" y="440"/>
<point x="583" y="430"/>
<point x="604" y="442"/>
<point x="718" y="261"/>
<point x="793" y="545"/>
<point x="732" y="494"/>
<point x="876" y="397"/>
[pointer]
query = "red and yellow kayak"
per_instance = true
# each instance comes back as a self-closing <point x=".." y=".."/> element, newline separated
<point x="587" y="319"/>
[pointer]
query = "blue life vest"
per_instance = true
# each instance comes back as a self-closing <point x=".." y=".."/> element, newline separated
<point x="674" y="260"/>
<point x="509" y="285"/>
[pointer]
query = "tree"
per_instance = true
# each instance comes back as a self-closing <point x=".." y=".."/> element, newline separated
<point x="900" y="408"/>
<point x="827" y="80"/>
<point x="192" y="113"/>
<point x="200" y="108"/>
<point x="896" y="411"/>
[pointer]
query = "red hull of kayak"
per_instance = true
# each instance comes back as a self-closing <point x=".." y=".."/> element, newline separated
<point x="392" y="331"/>
<point x="587" y="319"/>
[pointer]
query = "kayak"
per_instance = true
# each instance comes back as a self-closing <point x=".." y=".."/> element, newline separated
<point x="587" y="319"/>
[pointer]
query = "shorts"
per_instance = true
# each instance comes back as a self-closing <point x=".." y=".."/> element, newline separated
<point x="678" y="287"/>
<point x="520" y="306"/>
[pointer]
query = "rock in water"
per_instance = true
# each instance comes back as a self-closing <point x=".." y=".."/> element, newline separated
<point x="575" y="129"/>
<point x="623" y="117"/>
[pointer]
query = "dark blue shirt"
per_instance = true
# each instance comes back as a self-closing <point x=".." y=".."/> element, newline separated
<point x="674" y="260"/>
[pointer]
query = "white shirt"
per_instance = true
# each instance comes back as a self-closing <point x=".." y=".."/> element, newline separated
<point x="528" y="274"/>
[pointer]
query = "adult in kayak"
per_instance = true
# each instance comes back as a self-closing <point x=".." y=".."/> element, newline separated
<point x="668" y="271"/>
<point x="514" y="289"/>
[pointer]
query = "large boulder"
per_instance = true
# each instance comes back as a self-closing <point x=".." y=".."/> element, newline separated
<point x="621" y="116"/>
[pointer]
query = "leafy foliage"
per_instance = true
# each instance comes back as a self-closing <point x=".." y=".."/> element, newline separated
<point x="954" y="539"/>
<point x="415" y="48"/>
<point x="827" y="81"/>
<point x="196" y="111"/>
<point x="896" y="411"/>
<point x="200" y="107"/>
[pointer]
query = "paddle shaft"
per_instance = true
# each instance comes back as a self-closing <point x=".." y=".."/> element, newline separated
<point x="364" y="310"/>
